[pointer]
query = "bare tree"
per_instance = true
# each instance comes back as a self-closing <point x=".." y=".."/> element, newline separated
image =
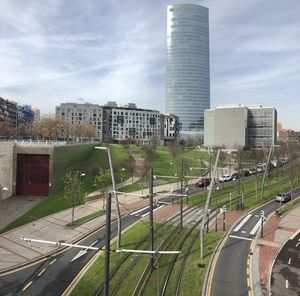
<point x="103" y="181"/>
<point x="73" y="190"/>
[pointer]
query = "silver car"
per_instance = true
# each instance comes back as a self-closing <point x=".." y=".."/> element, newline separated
<point x="283" y="197"/>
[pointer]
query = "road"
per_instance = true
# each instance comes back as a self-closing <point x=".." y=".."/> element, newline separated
<point x="53" y="275"/>
<point x="286" y="271"/>
<point x="230" y="274"/>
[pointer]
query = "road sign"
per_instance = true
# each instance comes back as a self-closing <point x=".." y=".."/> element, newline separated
<point x="224" y="209"/>
<point x="208" y="211"/>
<point x="262" y="213"/>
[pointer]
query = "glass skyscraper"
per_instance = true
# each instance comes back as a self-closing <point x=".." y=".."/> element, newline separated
<point x="187" y="74"/>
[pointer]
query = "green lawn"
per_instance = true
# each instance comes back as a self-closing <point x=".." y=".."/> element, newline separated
<point x="192" y="278"/>
<point x="48" y="206"/>
<point x="86" y="219"/>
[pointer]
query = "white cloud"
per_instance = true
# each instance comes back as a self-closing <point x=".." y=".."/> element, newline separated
<point x="57" y="50"/>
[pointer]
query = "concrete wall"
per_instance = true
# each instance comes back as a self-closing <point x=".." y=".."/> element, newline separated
<point x="6" y="168"/>
<point x="231" y="127"/>
<point x="226" y="127"/>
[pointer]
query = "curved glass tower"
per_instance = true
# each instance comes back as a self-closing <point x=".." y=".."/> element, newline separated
<point x="187" y="75"/>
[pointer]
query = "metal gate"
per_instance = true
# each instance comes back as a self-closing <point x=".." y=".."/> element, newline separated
<point x="33" y="174"/>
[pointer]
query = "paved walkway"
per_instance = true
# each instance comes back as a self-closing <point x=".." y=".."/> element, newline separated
<point x="14" y="251"/>
<point x="276" y="232"/>
<point x="16" y="206"/>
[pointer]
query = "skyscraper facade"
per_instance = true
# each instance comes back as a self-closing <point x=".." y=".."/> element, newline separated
<point x="187" y="73"/>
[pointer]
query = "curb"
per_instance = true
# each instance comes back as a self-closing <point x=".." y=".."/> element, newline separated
<point x="207" y="274"/>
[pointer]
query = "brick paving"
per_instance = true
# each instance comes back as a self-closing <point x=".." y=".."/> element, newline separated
<point x="276" y="232"/>
<point x="14" y="251"/>
<point x="230" y="219"/>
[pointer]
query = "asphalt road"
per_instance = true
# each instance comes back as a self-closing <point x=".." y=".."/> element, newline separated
<point x="230" y="273"/>
<point x="53" y="275"/>
<point x="285" y="278"/>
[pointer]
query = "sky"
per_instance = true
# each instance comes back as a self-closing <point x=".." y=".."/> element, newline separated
<point x="55" y="51"/>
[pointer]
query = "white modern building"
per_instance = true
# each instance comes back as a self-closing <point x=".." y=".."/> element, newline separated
<point x="119" y="124"/>
<point x="235" y="126"/>
<point x="82" y="113"/>
<point x="140" y="125"/>
<point x="187" y="73"/>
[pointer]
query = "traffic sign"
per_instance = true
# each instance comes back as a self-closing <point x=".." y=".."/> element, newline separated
<point x="262" y="213"/>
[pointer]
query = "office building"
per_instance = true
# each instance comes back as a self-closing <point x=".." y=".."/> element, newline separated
<point x="235" y="126"/>
<point x="187" y="73"/>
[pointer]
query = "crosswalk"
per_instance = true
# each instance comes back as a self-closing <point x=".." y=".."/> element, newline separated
<point x="145" y="211"/>
<point x="247" y="228"/>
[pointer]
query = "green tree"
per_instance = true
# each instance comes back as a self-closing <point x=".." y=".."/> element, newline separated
<point x="102" y="182"/>
<point x="73" y="190"/>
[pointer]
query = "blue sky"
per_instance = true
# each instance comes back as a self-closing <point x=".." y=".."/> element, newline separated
<point x="54" y="51"/>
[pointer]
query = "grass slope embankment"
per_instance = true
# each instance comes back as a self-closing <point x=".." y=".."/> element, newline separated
<point x="57" y="202"/>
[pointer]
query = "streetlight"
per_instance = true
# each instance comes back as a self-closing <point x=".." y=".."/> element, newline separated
<point x="123" y="169"/>
<point x="115" y="192"/>
<point x="2" y="189"/>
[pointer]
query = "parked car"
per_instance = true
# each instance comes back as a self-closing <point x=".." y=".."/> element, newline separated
<point x="261" y="167"/>
<point x="283" y="197"/>
<point x="225" y="178"/>
<point x="246" y="173"/>
<point x="252" y="171"/>
<point x="203" y="182"/>
<point x="235" y="176"/>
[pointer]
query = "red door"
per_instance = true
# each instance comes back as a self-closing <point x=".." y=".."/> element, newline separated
<point x="33" y="174"/>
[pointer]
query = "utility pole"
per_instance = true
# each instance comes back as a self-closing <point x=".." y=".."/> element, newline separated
<point x="207" y="220"/>
<point x="151" y="216"/>
<point x="107" y="245"/>
<point x="115" y="193"/>
<point x="265" y="172"/>
<point x="224" y="217"/>
<point x="262" y="217"/>
<point x="116" y="196"/>
<point x="206" y="206"/>
<point x="181" y="199"/>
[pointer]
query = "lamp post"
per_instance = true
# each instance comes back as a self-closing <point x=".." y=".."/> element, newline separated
<point x="123" y="169"/>
<point x="115" y="192"/>
<point x="2" y="189"/>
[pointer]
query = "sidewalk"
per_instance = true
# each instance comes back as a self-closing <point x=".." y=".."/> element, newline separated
<point x="276" y="232"/>
<point x="15" y="252"/>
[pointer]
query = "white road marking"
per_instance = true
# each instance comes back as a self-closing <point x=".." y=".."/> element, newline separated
<point x="290" y="261"/>
<point x="243" y="231"/>
<point x="41" y="272"/>
<point x="52" y="261"/>
<point x="241" y="237"/>
<point x="242" y="223"/>
<point x="153" y="211"/>
<point x="255" y="228"/>
<point x="256" y="216"/>
<point x="287" y="284"/>
<point x="27" y="286"/>
<point x="83" y="252"/>
<point x="140" y="210"/>
<point x="297" y="244"/>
